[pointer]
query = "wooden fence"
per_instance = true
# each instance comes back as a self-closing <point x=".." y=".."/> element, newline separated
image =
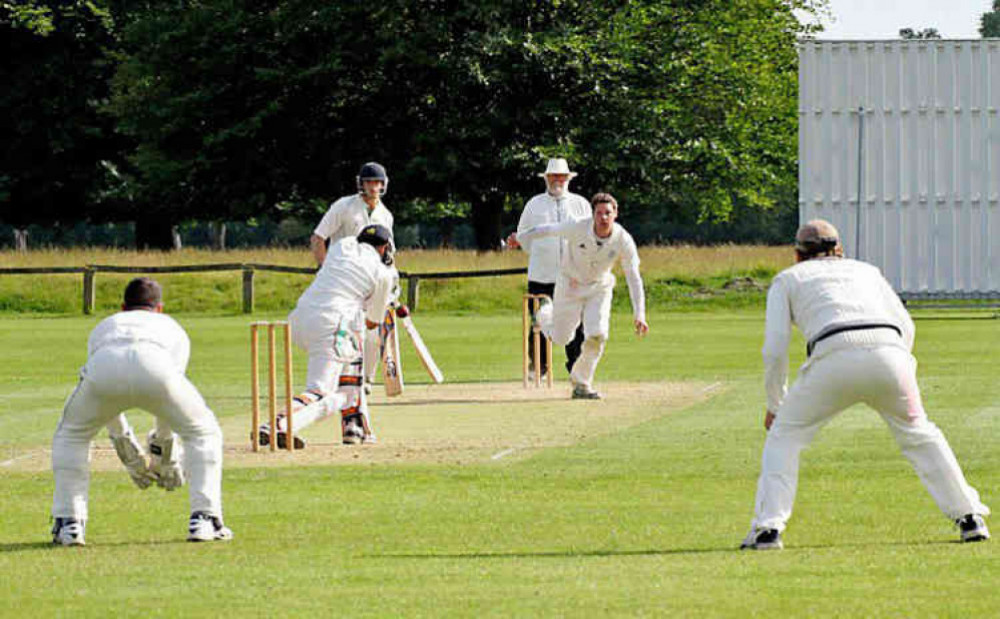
<point x="248" y="269"/>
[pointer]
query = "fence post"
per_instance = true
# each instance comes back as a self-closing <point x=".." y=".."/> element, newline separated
<point x="89" y="292"/>
<point x="248" y="289"/>
<point x="412" y="292"/>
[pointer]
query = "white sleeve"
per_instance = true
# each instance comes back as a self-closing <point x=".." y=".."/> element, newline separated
<point x="329" y="223"/>
<point x="630" y="265"/>
<point x="542" y="230"/>
<point x="777" y="335"/>
<point x="381" y="296"/>
<point x="898" y="311"/>
<point x="525" y="222"/>
<point x="181" y="350"/>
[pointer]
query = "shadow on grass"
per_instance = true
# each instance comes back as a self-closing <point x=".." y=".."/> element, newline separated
<point x="48" y="545"/>
<point x="652" y="552"/>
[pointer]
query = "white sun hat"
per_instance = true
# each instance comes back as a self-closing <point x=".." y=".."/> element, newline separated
<point x="557" y="166"/>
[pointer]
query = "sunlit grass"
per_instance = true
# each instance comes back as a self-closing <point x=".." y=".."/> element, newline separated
<point x="677" y="277"/>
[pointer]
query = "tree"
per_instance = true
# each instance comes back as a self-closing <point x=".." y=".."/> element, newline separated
<point x="684" y="109"/>
<point x="53" y="139"/>
<point x="926" y="33"/>
<point x="989" y="23"/>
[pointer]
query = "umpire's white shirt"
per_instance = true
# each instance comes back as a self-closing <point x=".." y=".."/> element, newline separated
<point x="821" y="292"/>
<point x="352" y="277"/>
<point x="544" y="253"/>
<point x="348" y="215"/>
<point x="588" y="259"/>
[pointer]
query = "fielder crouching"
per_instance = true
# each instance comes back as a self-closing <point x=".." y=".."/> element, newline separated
<point x="860" y="340"/>
<point x="137" y="359"/>
<point x="356" y="274"/>
<point x="585" y="285"/>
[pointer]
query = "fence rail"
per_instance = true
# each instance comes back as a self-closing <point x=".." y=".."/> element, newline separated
<point x="248" y="270"/>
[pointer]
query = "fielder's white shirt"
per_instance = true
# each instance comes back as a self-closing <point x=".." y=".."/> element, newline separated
<point x="352" y="277"/>
<point x="588" y="259"/>
<point x="818" y="293"/>
<point x="348" y="215"/>
<point x="545" y="253"/>
<point x="142" y="326"/>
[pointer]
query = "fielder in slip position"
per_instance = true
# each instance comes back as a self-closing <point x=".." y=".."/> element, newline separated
<point x="137" y="359"/>
<point x="859" y="341"/>
<point x="356" y="277"/>
<point x="585" y="284"/>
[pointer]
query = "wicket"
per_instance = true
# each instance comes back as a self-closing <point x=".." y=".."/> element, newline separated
<point x="531" y="303"/>
<point x="272" y="372"/>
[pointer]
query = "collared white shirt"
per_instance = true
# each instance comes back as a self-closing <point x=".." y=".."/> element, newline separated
<point x="352" y="278"/>
<point x="816" y="294"/>
<point x="545" y="253"/>
<point x="142" y="327"/>
<point x="588" y="259"/>
<point x="348" y="215"/>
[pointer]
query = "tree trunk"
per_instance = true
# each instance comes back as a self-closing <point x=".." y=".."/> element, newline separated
<point x="218" y="229"/>
<point x="486" y="221"/>
<point x="20" y="239"/>
<point x="156" y="232"/>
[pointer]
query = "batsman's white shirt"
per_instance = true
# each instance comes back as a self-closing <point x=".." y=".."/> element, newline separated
<point x="136" y="359"/>
<point x="348" y="215"/>
<point x="352" y="280"/>
<point x="545" y="252"/>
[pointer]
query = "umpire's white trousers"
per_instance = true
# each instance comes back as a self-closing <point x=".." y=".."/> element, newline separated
<point x="573" y="303"/>
<point x="843" y="372"/>
<point x="137" y="375"/>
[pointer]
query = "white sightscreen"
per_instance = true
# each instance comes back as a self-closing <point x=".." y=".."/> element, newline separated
<point x="930" y="158"/>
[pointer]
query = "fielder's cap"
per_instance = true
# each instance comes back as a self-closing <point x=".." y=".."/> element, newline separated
<point x="557" y="166"/>
<point x="817" y="235"/>
<point x="374" y="234"/>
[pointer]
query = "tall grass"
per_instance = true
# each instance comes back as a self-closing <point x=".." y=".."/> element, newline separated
<point x="676" y="277"/>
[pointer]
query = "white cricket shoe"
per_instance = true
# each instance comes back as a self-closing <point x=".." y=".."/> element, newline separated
<point x="69" y="532"/>
<point x="762" y="539"/>
<point x="582" y="392"/>
<point x="973" y="528"/>
<point x="354" y="434"/>
<point x="205" y="528"/>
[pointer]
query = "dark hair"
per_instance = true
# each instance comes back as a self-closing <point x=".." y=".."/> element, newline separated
<point x="142" y="292"/>
<point x="604" y="198"/>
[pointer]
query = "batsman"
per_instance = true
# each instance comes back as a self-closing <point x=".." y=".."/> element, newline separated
<point x="356" y="278"/>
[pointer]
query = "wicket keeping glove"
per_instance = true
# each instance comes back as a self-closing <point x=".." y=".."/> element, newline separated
<point x="134" y="458"/>
<point x="165" y="455"/>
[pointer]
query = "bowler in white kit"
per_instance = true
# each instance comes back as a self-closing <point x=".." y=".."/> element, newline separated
<point x="860" y="339"/>
<point x="585" y="284"/>
<point x="137" y="358"/>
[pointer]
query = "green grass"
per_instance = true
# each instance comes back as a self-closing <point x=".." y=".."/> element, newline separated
<point x="677" y="278"/>
<point x="640" y="522"/>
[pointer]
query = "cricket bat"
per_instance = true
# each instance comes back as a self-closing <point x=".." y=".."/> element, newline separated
<point x="422" y="353"/>
<point x="392" y="368"/>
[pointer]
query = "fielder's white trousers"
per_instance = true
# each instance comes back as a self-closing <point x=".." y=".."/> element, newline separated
<point x="137" y="375"/>
<point x="840" y="375"/>
<point x="573" y="303"/>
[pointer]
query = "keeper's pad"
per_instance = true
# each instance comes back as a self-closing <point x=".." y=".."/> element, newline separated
<point x="131" y="454"/>
<point x="165" y="454"/>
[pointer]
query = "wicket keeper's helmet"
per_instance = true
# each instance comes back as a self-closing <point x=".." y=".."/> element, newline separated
<point x="372" y="171"/>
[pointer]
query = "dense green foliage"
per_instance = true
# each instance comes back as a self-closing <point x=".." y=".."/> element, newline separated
<point x="235" y="111"/>
<point x="989" y="22"/>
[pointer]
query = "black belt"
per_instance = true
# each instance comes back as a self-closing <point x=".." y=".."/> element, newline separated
<point x="835" y="329"/>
